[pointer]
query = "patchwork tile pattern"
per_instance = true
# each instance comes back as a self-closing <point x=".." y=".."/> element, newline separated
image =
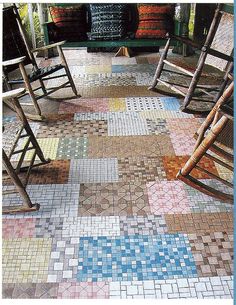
<point x="72" y="148"/>
<point x="62" y="266"/>
<point x="201" y="288"/>
<point x="142" y="225"/>
<point x="84" y="105"/>
<point x="49" y="148"/>
<point x="56" y="200"/>
<point x="30" y="291"/>
<point x="93" y="170"/>
<point x="173" y="164"/>
<point x="18" y="228"/>
<point x="30" y="265"/>
<point x="199" y="202"/>
<point x="83" y="290"/>
<point x="134" y="258"/>
<point x="91" y="226"/>
<point x="200" y="223"/>
<point x="117" y="104"/>
<point x="114" y="221"/>
<point x="213" y="253"/>
<point x="71" y="129"/>
<point x="224" y="173"/>
<point x="135" y="146"/>
<point x="142" y="169"/>
<point x="55" y="172"/>
<point x="167" y="197"/>
<point x="143" y="103"/>
<point x="113" y="199"/>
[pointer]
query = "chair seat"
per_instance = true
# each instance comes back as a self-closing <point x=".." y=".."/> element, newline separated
<point x="42" y="72"/>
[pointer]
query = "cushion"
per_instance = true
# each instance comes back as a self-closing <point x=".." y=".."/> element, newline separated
<point x="155" y="20"/>
<point x="70" y="22"/>
<point x="108" y="21"/>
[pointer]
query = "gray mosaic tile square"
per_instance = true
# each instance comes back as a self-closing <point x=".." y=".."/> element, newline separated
<point x="93" y="170"/>
<point x="143" y="225"/>
<point x="56" y="200"/>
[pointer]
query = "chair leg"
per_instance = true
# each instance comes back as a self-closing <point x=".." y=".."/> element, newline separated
<point x="28" y="206"/>
<point x="29" y="88"/>
<point x="160" y="65"/>
<point x="194" y="81"/>
<point x="61" y="54"/>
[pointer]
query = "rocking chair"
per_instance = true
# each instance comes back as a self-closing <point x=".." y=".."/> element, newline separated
<point x="17" y="54"/>
<point x="214" y="141"/>
<point x="17" y="140"/>
<point x="187" y="91"/>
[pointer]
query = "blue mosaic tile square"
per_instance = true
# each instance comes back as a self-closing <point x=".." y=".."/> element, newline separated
<point x="170" y="103"/>
<point x="136" y="256"/>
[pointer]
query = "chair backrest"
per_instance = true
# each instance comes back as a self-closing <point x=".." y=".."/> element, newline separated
<point x="14" y="44"/>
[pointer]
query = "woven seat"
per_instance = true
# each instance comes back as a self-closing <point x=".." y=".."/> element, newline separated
<point x="42" y="72"/>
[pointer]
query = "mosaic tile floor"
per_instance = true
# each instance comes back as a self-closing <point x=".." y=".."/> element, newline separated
<point x="114" y="222"/>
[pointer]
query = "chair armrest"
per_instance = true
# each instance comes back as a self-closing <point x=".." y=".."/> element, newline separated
<point x="13" y="93"/>
<point x="187" y="41"/>
<point x="50" y="46"/>
<point x="13" y="61"/>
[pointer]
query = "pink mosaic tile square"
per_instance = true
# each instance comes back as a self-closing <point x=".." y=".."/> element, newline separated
<point x="83" y="290"/>
<point x="167" y="197"/>
<point x="184" y="126"/>
<point x="183" y="144"/>
<point x="85" y="105"/>
<point x="18" y="228"/>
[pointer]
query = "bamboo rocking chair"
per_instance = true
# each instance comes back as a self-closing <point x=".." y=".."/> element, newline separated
<point x="17" y="54"/>
<point x="188" y="91"/>
<point x="17" y="140"/>
<point x="216" y="130"/>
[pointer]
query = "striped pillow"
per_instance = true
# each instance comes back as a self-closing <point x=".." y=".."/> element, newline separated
<point x="109" y="21"/>
<point x="155" y="20"/>
<point x="70" y="21"/>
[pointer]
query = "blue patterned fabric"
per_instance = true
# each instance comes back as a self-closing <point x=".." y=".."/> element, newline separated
<point x="109" y="21"/>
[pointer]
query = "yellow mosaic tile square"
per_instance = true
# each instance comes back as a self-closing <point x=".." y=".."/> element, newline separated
<point x="117" y="104"/>
<point x="224" y="173"/>
<point x="25" y="260"/>
<point x="97" y="69"/>
<point x="49" y="147"/>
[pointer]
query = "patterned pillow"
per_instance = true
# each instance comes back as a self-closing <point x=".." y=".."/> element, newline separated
<point x="70" y="22"/>
<point x="155" y="20"/>
<point x="109" y="21"/>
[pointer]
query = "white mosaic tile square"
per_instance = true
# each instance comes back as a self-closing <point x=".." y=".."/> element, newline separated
<point x="180" y="288"/>
<point x="91" y="226"/>
<point x="56" y="200"/>
<point x="126" y="124"/>
<point x="143" y="103"/>
<point x="93" y="170"/>
<point x="87" y="116"/>
<point x="164" y="114"/>
<point x="143" y="79"/>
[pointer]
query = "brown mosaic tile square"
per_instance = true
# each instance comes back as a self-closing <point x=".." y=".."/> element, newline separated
<point x="117" y="199"/>
<point x="68" y="129"/>
<point x="213" y="253"/>
<point x="133" y="146"/>
<point x="60" y="117"/>
<point x="141" y="169"/>
<point x="173" y="164"/>
<point x="55" y="172"/>
<point x="199" y="223"/>
<point x="30" y="291"/>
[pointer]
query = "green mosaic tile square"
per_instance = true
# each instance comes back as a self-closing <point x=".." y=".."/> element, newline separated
<point x="72" y="148"/>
